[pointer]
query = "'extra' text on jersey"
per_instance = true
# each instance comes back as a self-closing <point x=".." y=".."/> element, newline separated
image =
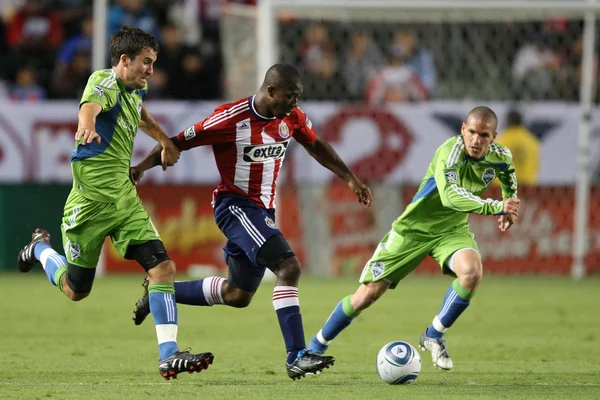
<point x="249" y="148"/>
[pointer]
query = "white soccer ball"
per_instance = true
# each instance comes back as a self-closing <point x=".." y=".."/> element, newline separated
<point x="398" y="363"/>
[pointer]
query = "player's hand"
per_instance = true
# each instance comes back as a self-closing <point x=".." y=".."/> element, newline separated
<point x="511" y="206"/>
<point x="87" y="135"/>
<point x="506" y="221"/>
<point x="135" y="174"/>
<point x="362" y="192"/>
<point x="169" y="154"/>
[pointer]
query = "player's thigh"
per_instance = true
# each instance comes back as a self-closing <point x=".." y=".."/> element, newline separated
<point x="395" y="257"/>
<point x="136" y="227"/>
<point x="243" y="274"/>
<point x="85" y="225"/>
<point x="447" y="246"/>
<point x="247" y="226"/>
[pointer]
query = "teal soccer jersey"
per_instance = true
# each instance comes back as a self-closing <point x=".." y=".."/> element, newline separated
<point x="101" y="170"/>
<point x="452" y="188"/>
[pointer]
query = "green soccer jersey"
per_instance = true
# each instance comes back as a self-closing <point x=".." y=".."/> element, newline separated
<point x="452" y="188"/>
<point x="101" y="170"/>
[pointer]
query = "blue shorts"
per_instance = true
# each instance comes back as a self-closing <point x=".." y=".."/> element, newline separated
<point x="246" y="226"/>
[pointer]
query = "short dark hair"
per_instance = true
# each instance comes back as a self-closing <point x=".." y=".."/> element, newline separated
<point x="131" y="41"/>
<point x="280" y="75"/>
<point x="485" y="114"/>
<point x="514" y="117"/>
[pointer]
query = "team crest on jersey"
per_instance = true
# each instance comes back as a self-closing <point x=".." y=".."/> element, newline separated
<point x="284" y="131"/>
<point x="75" y="250"/>
<point x="98" y="90"/>
<point x="270" y="223"/>
<point x="451" y="176"/>
<point x="377" y="269"/>
<point x="488" y="175"/>
<point x="264" y="152"/>
<point x="189" y="133"/>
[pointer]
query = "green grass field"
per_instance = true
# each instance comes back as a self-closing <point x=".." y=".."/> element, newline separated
<point x="523" y="337"/>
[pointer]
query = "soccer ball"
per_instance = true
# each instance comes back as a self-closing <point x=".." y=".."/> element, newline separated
<point x="398" y="363"/>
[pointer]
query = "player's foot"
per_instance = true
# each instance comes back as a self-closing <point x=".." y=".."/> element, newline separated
<point x="142" y="306"/>
<point x="184" y="361"/>
<point x="308" y="362"/>
<point x="27" y="259"/>
<point x="316" y="347"/>
<point x="438" y="349"/>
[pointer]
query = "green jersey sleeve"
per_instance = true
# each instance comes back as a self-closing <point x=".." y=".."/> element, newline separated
<point x="508" y="182"/>
<point x="451" y="185"/>
<point x="101" y="88"/>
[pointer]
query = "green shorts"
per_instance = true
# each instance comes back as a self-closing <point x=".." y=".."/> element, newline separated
<point x="396" y="256"/>
<point x="86" y="224"/>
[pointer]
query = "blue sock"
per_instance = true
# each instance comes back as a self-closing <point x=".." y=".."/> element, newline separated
<point x="50" y="259"/>
<point x="204" y="292"/>
<point x="287" y="307"/>
<point x="456" y="300"/>
<point x="341" y="317"/>
<point x="164" y="312"/>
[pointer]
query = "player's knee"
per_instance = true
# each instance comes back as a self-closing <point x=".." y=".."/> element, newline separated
<point x="288" y="271"/>
<point x="163" y="272"/>
<point x="470" y="276"/>
<point x="78" y="281"/>
<point x="237" y="298"/>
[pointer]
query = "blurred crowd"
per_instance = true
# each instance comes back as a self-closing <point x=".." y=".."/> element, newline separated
<point x="46" y="45"/>
<point x="45" y="48"/>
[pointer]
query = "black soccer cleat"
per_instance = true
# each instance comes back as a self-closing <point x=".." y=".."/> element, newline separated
<point x="26" y="259"/>
<point x="142" y="306"/>
<point x="184" y="361"/>
<point x="308" y="363"/>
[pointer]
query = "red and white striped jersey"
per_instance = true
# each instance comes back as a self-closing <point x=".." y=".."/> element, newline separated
<point x="249" y="148"/>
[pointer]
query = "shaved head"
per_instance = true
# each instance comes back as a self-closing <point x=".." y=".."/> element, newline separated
<point x="483" y="113"/>
<point x="282" y="75"/>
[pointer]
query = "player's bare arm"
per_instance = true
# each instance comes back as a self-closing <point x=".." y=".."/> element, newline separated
<point x="169" y="154"/>
<point x="87" y="123"/>
<point x="327" y="157"/>
<point x="153" y="159"/>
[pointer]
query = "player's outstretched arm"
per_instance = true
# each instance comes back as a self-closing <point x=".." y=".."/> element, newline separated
<point x="87" y="123"/>
<point x="327" y="157"/>
<point x="169" y="153"/>
<point x="151" y="160"/>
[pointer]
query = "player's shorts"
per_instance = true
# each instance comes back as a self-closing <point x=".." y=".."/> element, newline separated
<point x="86" y="224"/>
<point x="246" y="226"/>
<point x="396" y="256"/>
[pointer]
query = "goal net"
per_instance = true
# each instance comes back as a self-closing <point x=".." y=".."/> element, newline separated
<point x="386" y="82"/>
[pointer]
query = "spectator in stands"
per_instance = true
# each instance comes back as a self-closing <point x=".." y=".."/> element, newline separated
<point x="419" y="59"/>
<point x="524" y="146"/>
<point x="26" y="88"/>
<point x="79" y="44"/>
<point x="316" y="46"/>
<point x="33" y="36"/>
<point x="70" y="79"/>
<point x="362" y="60"/>
<point x="131" y="12"/>
<point x="198" y="77"/>
<point x="534" y="69"/>
<point x="396" y="82"/>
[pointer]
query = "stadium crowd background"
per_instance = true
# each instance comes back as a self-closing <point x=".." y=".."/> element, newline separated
<point x="45" y="48"/>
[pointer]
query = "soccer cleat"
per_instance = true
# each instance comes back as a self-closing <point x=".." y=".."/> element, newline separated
<point x="184" y="361"/>
<point x="26" y="259"/>
<point x="438" y="349"/>
<point x="142" y="306"/>
<point x="308" y="362"/>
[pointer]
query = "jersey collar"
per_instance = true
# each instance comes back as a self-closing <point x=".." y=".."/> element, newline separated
<point x="255" y="113"/>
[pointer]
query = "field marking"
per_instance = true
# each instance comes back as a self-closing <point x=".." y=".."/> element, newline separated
<point x="263" y="384"/>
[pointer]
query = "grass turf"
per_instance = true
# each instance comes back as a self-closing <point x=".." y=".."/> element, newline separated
<point x="523" y="337"/>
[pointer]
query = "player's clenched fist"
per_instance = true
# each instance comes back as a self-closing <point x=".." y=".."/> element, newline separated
<point x="87" y="135"/>
<point x="362" y="192"/>
<point x="511" y="206"/>
<point x="169" y="154"/>
<point x="135" y="174"/>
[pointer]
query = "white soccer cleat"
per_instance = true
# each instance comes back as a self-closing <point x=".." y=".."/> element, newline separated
<point x="438" y="350"/>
